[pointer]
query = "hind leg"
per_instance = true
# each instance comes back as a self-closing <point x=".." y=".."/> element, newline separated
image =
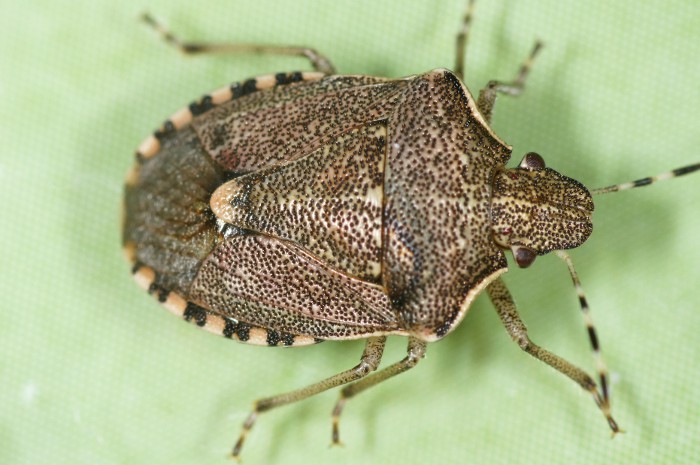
<point x="318" y="61"/>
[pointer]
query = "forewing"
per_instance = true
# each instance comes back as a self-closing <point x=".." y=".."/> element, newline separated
<point x="281" y="124"/>
<point x="273" y="284"/>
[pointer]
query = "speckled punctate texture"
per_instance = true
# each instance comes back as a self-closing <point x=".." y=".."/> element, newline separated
<point x="357" y="206"/>
<point x="329" y="202"/>
<point x="341" y="207"/>
<point x="522" y="215"/>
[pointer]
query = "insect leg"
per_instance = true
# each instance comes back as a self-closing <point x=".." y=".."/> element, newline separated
<point x="508" y="313"/>
<point x="318" y="61"/>
<point x="462" y="37"/>
<point x="416" y="351"/>
<point x="372" y="355"/>
<point x="487" y="95"/>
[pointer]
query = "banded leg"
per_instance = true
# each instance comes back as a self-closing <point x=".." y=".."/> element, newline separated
<point x="487" y="95"/>
<point x="318" y="61"/>
<point x="508" y="314"/>
<point x="415" y="352"/>
<point x="462" y="37"/>
<point x="372" y="355"/>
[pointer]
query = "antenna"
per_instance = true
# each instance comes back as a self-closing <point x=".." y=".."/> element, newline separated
<point x="602" y="398"/>
<point x="648" y="180"/>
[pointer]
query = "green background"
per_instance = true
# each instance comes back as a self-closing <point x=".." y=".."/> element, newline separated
<point x="92" y="371"/>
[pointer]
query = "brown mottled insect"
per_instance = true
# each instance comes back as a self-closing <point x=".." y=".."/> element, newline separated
<point x="300" y="207"/>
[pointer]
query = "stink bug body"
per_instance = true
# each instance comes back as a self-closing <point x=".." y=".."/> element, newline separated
<point x="299" y="207"/>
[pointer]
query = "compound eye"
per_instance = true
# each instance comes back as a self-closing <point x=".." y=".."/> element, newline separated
<point x="523" y="256"/>
<point x="532" y="161"/>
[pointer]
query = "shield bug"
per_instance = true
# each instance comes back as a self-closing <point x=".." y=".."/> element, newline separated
<point x="294" y="208"/>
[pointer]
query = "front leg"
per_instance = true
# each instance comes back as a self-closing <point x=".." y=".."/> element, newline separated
<point x="508" y="313"/>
